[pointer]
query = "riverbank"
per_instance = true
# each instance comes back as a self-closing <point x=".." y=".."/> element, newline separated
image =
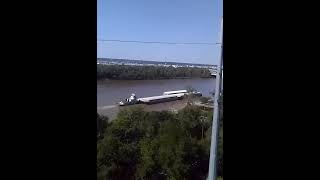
<point x="112" y="110"/>
<point x="174" y="106"/>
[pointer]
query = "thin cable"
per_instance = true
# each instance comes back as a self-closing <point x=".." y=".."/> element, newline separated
<point x="155" y="42"/>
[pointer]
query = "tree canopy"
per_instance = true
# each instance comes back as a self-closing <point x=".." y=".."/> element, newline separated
<point x="126" y="72"/>
<point x="156" y="145"/>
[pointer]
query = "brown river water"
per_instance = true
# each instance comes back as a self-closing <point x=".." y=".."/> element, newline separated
<point x="110" y="92"/>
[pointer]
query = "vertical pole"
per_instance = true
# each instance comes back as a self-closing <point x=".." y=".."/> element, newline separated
<point x="215" y="121"/>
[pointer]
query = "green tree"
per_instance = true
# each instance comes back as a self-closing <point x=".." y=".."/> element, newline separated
<point x="156" y="145"/>
<point x="102" y="123"/>
<point x="148" y="167"/>
<point x="190" y="95"/>
<point x="171" y="155"/>
<point x="148" y="72"/>
<point x="204" y="99"/>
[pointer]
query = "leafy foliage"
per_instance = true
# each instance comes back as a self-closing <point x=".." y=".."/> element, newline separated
<point x="102" y="122"/>
<point x="156" y="145"/>
<point x="126" y="72"/>
<point x="204" y="99"/>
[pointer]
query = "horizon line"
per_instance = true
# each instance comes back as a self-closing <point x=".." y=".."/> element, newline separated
<point x="154" y="61"/>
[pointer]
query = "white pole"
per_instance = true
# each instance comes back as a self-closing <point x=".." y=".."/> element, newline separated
<point x="215" y="121"/>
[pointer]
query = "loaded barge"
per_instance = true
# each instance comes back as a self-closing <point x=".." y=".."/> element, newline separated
<point x="167" y="96"/>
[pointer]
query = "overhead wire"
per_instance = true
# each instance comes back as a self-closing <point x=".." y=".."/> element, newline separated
<point x="156" y="42"/>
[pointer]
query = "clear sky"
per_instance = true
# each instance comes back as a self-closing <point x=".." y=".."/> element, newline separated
<point x="160" y="20"/>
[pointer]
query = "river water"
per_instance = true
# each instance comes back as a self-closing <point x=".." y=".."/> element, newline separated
<point x="110" y="92"/>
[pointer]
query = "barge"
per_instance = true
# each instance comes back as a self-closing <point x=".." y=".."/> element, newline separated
<point x="175" y="92"/>
<point x="196" y="93"/>
<point x="167" y="96"/>
<point x="159" y="99"/>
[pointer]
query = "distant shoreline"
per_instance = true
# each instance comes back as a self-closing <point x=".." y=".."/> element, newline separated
<point x="136" y="61"/>
<point x="154" y="79"/>
<point x="137" y="72"/>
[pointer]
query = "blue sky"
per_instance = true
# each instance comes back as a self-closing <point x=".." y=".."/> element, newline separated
<point x="160" y="20"/>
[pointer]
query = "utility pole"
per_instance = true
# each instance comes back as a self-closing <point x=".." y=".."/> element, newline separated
<point x="215" y="121"/>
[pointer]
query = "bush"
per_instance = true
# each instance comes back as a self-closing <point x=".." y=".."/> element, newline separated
<point x="156" y="145"/>
<point x="204" y="99"/>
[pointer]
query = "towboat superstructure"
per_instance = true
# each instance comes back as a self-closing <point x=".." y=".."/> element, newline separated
<point x="132" y="100"/>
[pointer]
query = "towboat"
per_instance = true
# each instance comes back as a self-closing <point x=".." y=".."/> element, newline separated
<point x="132" y="100"/>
